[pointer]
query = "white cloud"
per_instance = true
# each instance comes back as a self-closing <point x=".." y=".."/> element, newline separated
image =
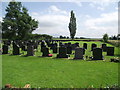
<point x="101" y="5"/>
<point x="100" y="8"/>
<point x="34" y="13"/>
<point x="54" y="10"/>
<point x="107" y="23"/>
<point x="87" y="16"/>
<point x="78" y="3"/>
<point x="54" y="23"/>
<point x="92" y="4"/>
<point x="116" y="8"/>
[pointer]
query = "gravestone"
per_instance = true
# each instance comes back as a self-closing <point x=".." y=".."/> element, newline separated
<point x="30" y="50"/>
<point x="104" y="47"/>
<point x="5" y="49"/>
<point x="78" y="53"/>
<point x="93" y="46"/>
<point x="60" y="44"/>
<point x="42" y="45"/>
<point x="77" y="44"/>
<point x="48" y="43"/>
<point x="69" y="48"/>
<point x="55" y="49"/>
<point x="73" y="46"/>
<point x="23" y="47"/>
<point x="35" y="45"/>
<point x="66" y="44"/>
<point x="16" y="50"/>
<point x="97" y="54"/>
<point x="85" y="45"/>
<point x="51" y="46"/>
<point x="110" y="51"/>
<point x="83" y="51"/>
<point x="56" y="44"/>
<point x="8" y="42"/>
<point x="45" y="52"/>
<point x="62" y="52"/>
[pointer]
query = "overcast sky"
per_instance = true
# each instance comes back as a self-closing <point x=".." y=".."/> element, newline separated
<point x="93" y="18"/>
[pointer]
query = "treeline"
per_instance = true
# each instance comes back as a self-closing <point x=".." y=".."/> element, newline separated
<point x="40" y="37"/>
<point x="115" y="37"/>
<point x="32" y="37"/>
<point x="114" y="40"/>
<point x="66" y="37"/>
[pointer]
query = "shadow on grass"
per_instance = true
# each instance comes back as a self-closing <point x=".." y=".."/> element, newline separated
<point x="95" y="60"/>
<point x="14" y="55"/>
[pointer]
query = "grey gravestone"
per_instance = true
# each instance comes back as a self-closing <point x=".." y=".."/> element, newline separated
<point x="104" y="47"/>
<point x="16" y="50"/>
<point x="85" y="45"/>
<point x="5" y="49"/>
<point x="62" y="52"/>
<point x="110" y="51"/>
<point x="45" y="52"/>
<point x="30" y="50"/>
<point x="97" y="54"/>
<point x="93" y="46"/>
<point x="78" y="53"/>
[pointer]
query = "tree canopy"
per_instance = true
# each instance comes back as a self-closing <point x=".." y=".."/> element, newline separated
<point x="105" y="37"/>
<point x="17" y="23"/>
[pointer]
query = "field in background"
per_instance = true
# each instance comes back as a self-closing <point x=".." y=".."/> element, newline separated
<point x="51" y="72"/>
<point x="114" y="42"/>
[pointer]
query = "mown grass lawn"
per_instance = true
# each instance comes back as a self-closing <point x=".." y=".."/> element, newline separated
<point x="50" y="72"/>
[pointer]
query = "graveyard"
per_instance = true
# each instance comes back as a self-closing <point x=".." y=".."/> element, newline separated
<point x="72" y="70"/>
<point x="59" y="45"/>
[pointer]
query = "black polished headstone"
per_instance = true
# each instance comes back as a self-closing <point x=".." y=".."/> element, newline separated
<point x="69" y="48"/>
<point x="97" y="54"/>
<point x="79" y="52"/>
<point x="5" y="49"/>
<point x="93" y="46"/>
<point x="45" y="52"/>
<point x="104" y="47"/>
<point x="55" y="49"/>
<point x="16" y="49"/>
<point x="30" y="50"/>
<point x="85" y="45"/>
<point x="62" y="52"/>
<point x="110" y="51"/>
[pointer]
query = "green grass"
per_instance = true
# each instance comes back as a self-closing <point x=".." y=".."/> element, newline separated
<point x="50" y="72"/>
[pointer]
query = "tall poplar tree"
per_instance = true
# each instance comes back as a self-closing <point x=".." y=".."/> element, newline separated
<point x="72" y="25"/>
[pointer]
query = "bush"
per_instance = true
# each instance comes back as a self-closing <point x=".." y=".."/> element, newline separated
<point x="40" y="36"/>
<point x="105" y="38"/>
